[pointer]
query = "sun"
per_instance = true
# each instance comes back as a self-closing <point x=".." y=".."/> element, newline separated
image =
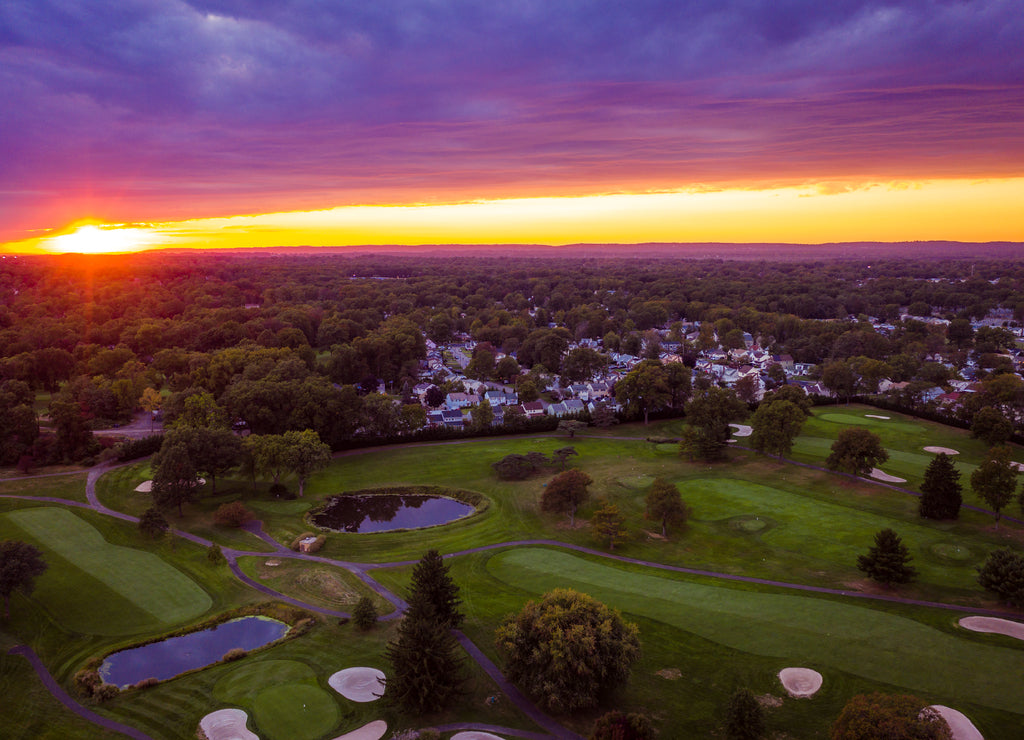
<point x="99" y="239"/>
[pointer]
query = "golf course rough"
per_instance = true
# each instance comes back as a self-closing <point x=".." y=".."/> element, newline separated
<point x="94" y="587"/>
<point x="847" y="637"/>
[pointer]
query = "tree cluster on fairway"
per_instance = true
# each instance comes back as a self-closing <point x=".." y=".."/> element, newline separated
<point x="941" y="495"/>
<point x="521" y="467"/>
<point x="887" y="561"/>
<point x="995" y="479"/>
<point x="20" y="565"/>
<point x="708" y="413"/>
<point x="856" y="450"/>
<point x="1003" y="575"/>
<point x="665" y="504"/>
<point x="426" y="668"/>
<point x="775" y="425"/>
<point x="644" y="389"/>
<point x="568" y="650"/>
<point x="565" y="492"/>
<point x="889" y="716"/>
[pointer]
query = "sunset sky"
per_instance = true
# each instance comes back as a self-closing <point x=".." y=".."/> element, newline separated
<point x="212" y="123"/>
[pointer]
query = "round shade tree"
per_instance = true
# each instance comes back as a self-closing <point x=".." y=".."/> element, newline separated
<point x="20" y="565"/>
<point x="568" y="650"/>
<point x="889" y="716"/>
<point x="857" y="451"/>
<point x="565" y="492"/>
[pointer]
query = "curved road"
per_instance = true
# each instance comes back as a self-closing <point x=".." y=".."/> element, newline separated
<point x="360" y="571"/>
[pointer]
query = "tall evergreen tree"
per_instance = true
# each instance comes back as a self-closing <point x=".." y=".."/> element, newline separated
<point x="888" y="561"/>
<point x="746" y="718"/>
<point x="426" y="669"/>
<point x="430" y="580"/>
<point x="941" y="490"/>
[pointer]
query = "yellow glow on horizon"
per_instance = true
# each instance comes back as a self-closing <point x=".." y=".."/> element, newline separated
<point x="102" y="239"/>
<point x="950" y="210"/>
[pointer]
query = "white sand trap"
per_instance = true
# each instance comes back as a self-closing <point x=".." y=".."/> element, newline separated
<point x="227" y="724"/>
<point x="961" y="727"/>
<point x="800" y="683"/>
<point x="994" y="624"/>
<point x="876" y="416"/>
<point x="373" y="731"/>
<point x="742" y="430"/>
<point x="1019" y="466"/>
<point x="882" y="476"/>
<point x="475" y="735"/>
<point x="145" y="487"/>
<point x="937" y="450"/>
<point x="358" y="684"/>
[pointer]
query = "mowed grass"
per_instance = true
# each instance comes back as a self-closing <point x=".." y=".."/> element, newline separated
<point x="70" y="486"/>
<point x="805" y="631"/>
<point x="98" y="588"/>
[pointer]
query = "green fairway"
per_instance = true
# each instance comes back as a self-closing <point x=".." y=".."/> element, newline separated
<point x="141" y="579"/>
<point x="861" y="419"/>
<point x="242" y="684"/>
<point x="799" y="630"/>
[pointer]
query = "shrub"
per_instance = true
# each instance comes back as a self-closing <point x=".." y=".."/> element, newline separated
<point x="215" y="555"/>
<point x="616" y="725"/>
<point x="234" y="654"/>
<point x="364" y="615"/>
<point x="87" y="681"/>
<point x="106" y="692"/>
<point x="146" y="683"/>
<point x="232" y="514"/>
<point x="1003" y="575"/>
<point x="133" y="449"/>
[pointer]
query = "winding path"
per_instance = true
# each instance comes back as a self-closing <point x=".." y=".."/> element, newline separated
<point x="360" y="570"/>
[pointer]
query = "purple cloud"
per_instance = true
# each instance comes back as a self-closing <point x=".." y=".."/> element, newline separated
<point x="158" y="109"/>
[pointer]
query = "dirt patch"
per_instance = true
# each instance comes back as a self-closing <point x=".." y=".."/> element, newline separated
<point x="671" y="674"/>
<point x="653" y="535"/>
<point x="769" y="701"/>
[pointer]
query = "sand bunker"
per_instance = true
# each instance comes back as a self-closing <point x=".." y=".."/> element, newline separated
<point x="145" y="487"/>
<point x="937" y="450"/>
<point x="373" y="731"/>
<point x="1019" y="466"/>
<point x="475" y="735"/>
<point x="876" y="416"/>
<point x="800" y="683"/>
<point x="879" y="475"/>
<point x="228" y="724"/>
<point x="358" y="684"/>
<point x="741" y="430"/>
<point x="961" y="727"/>
<point x="995" y="625"/>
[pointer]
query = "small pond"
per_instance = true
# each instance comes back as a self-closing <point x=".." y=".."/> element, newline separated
<point x="386" y="511"/>
<point x="167" y="658"/>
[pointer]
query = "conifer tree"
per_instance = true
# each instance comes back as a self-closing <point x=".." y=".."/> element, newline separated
<point x="364" y="615"/>
<point x="426" y="670"/>
<point x="430" y="579"/>
<point x="888" y="561"/>
<point x="941" y="490"/>
<point x="746" y="718"/>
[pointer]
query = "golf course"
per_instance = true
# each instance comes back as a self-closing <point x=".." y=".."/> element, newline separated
<point x="762" y="577"/>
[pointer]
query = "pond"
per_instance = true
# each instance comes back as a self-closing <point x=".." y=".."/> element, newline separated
<point x="386" y="511"/>
<point x="167" y="658"/>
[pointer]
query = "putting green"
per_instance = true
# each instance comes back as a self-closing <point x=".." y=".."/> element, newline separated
<point x="243" y="684"/>
<point x="862" y="421"/>
<point x="147" y="583"/>
<point x="800" y="630"/>
<point x="295" y="711"/>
